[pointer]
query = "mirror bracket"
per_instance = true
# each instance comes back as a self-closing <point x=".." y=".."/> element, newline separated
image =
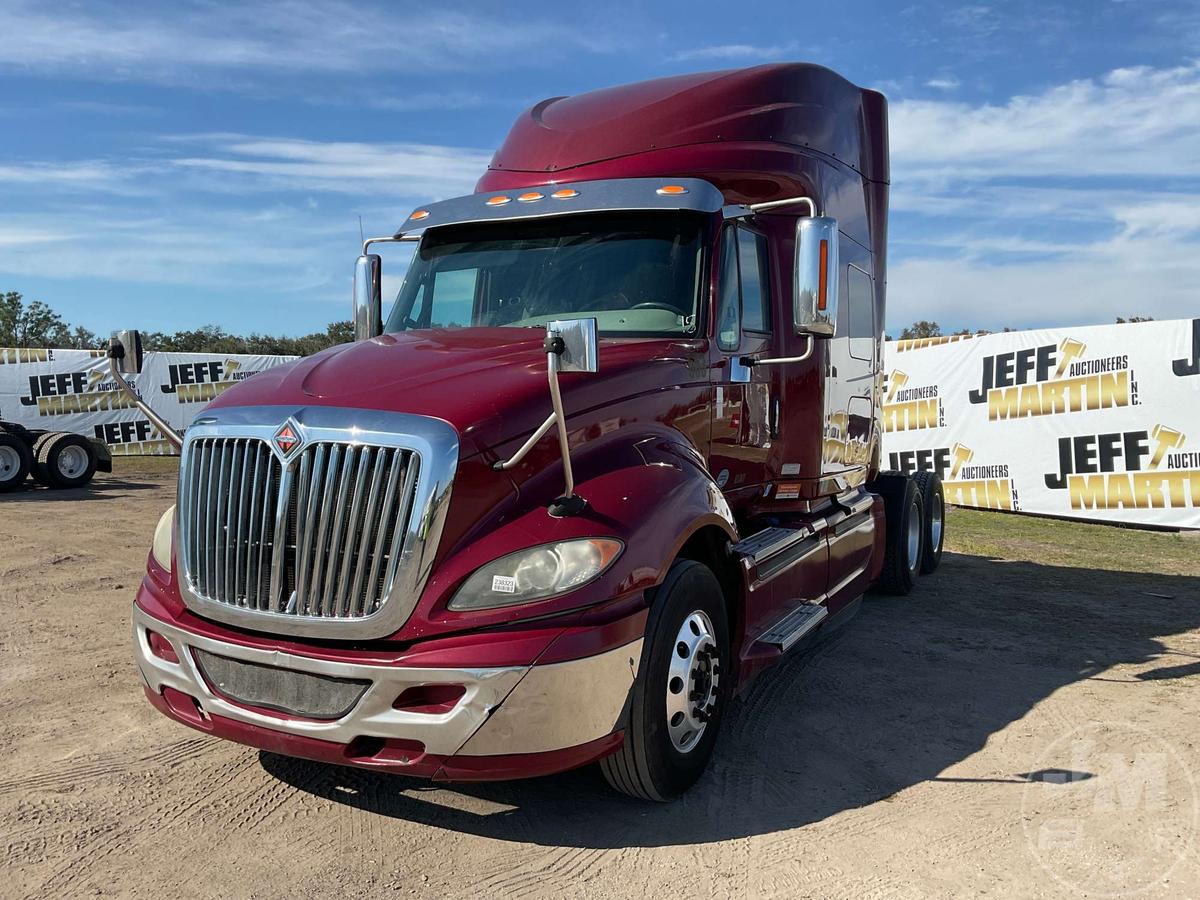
<point x="750" y="361"/>
<point x="125" y="358"/>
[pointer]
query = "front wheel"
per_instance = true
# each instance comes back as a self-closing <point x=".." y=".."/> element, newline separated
<point x="682" y="689"/>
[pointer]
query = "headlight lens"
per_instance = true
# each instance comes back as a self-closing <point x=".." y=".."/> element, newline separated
<point x="536" y="573"/>
<point x="161" y="548"/>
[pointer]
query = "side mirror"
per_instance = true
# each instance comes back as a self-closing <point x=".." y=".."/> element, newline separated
<point x="580" y="346"/>
<point x="368" y="297"/>
<point x="125" y="350"/>
<point x="814" y="298"/>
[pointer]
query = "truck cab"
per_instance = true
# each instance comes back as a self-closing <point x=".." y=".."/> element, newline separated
<point x="612" y="450"/>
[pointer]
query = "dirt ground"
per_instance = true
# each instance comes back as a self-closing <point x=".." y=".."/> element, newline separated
<point x="1024" y="725"/>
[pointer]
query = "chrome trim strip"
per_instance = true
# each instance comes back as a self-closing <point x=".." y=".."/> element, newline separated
<point x="427" y="484"/>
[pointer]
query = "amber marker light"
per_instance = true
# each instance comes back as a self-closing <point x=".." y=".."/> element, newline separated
<point x="530" y="197"/>
<point x="420" y="214"/>
<point x="823" y="285"/>
<point x="565" y="194"/>
<point x="498" y="200"/>
<point x="672" y="189"/>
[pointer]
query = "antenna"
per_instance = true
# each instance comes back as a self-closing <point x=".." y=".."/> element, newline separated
<point x="360" y="231"/>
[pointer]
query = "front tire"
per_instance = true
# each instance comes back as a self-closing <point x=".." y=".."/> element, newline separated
<point x="682" y="689"/>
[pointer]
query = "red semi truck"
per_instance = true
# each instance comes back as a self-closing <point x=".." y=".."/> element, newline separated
<point x="613" y="451"/>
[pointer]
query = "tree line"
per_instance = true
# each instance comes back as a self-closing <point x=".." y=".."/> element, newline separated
<point x="35" y="325"/>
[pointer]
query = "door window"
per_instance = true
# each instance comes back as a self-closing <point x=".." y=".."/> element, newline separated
<point x="729" y="311"/>
<point x="744" y="300"/>
<point x="756" y="287"/>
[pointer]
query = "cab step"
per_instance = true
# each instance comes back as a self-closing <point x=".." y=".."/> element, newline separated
<point x="785" y="633"/>
<point x="764" y="544"/>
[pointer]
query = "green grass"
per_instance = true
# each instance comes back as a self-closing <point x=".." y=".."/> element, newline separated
<point x="1071" y="544"/>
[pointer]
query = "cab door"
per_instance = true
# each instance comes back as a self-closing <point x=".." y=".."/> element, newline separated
<point x="742" y="419"/>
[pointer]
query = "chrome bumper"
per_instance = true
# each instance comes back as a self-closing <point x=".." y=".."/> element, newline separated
<point x="502" y="711"/>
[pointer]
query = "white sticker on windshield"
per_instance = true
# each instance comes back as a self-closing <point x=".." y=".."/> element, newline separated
<point x="504" y="584"/>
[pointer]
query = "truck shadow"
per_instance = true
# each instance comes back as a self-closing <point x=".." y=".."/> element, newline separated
<point x="908" y="689"/>
<point x="106" y="488"/>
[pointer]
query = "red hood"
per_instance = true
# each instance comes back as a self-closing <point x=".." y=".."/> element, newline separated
<point x="489" y="383"/>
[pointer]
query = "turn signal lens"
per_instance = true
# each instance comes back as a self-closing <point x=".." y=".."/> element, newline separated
<point x="530" y="197"/>
<point x="565" y="194"/>
<point x="823" y="289"/>
<point x="672" y="189"/>
<point x="420" y="214"/>
<point x="499" y="200"/>
<point x="536" y="573"/>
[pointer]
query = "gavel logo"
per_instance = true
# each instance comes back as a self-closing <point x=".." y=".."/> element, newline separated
<point x="896" y="381"/>
<point x="1167" y="439"/>
<point x="1070" y="349"/>
<point x="961" y="456"/>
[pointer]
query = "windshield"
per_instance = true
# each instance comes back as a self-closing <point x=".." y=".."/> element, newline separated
<point x="637" y="274"/>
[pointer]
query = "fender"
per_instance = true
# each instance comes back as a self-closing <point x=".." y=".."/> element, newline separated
<point x="654" y="505"/>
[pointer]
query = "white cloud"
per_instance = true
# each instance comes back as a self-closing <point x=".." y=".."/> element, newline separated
<point x="424" y="170"/>
<point x="127" y="42"/>
<point x="942" y="84"/>
<point x="1136" y="121"/>
<point x="736" y="52"/>
<point x="1073" y="205"/>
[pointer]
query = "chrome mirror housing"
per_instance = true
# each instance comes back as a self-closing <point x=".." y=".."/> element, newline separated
<point x="815" y="294"/>
<point x="580" y="345"/>
<point x="368" y="297"/>
<point x="125" y="351"/>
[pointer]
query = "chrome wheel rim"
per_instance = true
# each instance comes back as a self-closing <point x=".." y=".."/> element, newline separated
<point x="72" y="461"/>
<point x="692" y="681"/>
<point x="935" y="523"/>
<point x="914" y="538"/>
<point x="10" y="463"/>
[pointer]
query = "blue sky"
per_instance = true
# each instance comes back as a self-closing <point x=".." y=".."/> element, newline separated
<point x="172" y="165"/>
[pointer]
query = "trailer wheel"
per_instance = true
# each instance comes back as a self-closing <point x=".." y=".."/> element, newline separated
<point x="934" y="533"/>
<point x="67" y="460"/>
<point x="904" y="514"/>
<point x="15" y="462"/>
<point x="683" y="686"/>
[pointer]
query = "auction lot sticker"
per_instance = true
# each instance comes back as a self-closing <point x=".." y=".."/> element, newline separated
<point x="1110" y="810"/>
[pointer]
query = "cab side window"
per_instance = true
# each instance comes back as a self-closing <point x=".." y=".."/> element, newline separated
<point x="745" y="291"/>
<point x="729" y="309"/>
<point x="756" y="288"/>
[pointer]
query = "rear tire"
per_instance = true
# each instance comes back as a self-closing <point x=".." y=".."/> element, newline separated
<point x="67" y="460"/>
<point x="38" y="471"/>
<point x="678" y="700"/>
<point x="904" y="539"/>
<point x="15" y="462"/>
<point x="934" y="531"/>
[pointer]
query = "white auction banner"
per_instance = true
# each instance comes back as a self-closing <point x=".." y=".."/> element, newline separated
<point x="1098" y="422"/>
<point x="72" y="390"/>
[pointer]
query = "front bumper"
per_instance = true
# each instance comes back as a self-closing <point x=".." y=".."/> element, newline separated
<point x="510" y="721"/>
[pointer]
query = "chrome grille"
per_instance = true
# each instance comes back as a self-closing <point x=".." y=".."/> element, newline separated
<point x="320" y="537"/>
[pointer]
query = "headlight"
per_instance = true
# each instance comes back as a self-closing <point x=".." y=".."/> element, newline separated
<point x="536" y="573"/>
<point x="161" y="548"/>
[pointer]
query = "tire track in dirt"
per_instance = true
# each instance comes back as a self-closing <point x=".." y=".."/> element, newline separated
<point x="112" y="764"/>
<point x="123" y="837"/>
